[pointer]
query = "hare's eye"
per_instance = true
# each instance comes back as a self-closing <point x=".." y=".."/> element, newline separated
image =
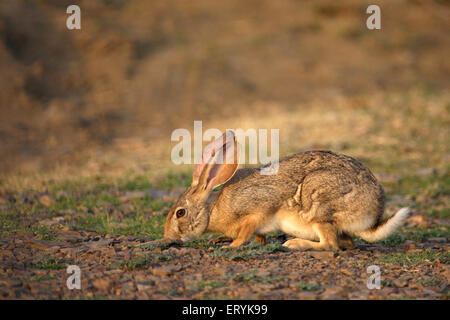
<point x="180" y="213"/>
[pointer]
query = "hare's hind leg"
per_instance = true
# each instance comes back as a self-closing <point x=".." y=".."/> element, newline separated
<point x="327" y="235"/>
<point x="346" y="242"/>
<point x="261" y="239"/>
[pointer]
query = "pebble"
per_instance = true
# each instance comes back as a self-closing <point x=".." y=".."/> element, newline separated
<point x="162" y="271"/>
<point x="46" y="200"/>
<point x="101" y="284"/>
<point x="333" y="293"/>
<point x="306" y="295"/>
<point x="322" y="254"/>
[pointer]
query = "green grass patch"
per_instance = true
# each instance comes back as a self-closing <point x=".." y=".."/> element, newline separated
<point x="207" y="284"/>
<point x="432" y="186"/>
<point x="171" y="292"/>
<point x="443" y="213"/>
<point x="432" y="281"/>
<point x="415" y="258"/>
<point x="416" y="235"/>
<point x="134" y="225"/>
<point x="133" y="183"/>
<point x="141" y="261"/>
<point x="307" y="286"/>
<point x="423" y="234"/>
<point x="40" y="278"/>
<point x="172" y="180"/>
<point x="394" y="240"/>
<point x="158" y="245"/>
<point x="251" y="277"/>
<point x="44" y="232"/>
<point x="48" y="263"/>
<point x="387" y="283"/>
<point x="201" y="243"/>
<point x="11" y="223"/>
<point x="247" y="252"/>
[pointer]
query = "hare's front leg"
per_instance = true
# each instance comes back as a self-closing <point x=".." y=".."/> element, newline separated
<point x="327" y="235"/>
<point x="245" y="228"/>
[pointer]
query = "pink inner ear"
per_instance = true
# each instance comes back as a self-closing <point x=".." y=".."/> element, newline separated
<point x="210" y="151"/>
<point x="222" y="172"/>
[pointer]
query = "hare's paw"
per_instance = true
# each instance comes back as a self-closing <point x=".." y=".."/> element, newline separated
<point x="236" y="243"/>
<point x="260" y="239"/>
<point x="219" y="240"/>
<point x="297" y="244"/>
<point x="303" y="245"/>
<point x="346" y="242"/>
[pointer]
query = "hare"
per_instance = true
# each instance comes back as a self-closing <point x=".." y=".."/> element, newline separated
<point x="319" y="197"/>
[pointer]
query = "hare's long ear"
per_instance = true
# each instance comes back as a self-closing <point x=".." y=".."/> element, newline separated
<point x="210" y="151"/>
<point x="221" y="162"/>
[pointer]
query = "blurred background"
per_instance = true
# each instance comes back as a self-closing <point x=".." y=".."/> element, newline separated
<point x="107" y="97"/>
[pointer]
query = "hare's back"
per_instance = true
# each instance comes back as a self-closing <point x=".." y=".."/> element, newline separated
<point x="300" y="165"/>
<point x="330" y="175"/>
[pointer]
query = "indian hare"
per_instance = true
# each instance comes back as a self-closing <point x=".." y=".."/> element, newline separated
<point x="319" y="197"/>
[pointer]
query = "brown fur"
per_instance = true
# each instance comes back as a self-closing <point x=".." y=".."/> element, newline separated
<point x="320" y="197"/>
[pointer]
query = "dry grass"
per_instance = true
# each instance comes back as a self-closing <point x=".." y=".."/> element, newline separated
<point x="108" y="96"/>
<point x="393" y="134"/>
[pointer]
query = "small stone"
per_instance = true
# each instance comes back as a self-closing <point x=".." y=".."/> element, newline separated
<point x="103" y="243"/>
<point x="127" y="208"/>
<point x="50" y="222"/>
<point x="306" y="295"/>
<point x="46" y="200"/>
<point x="53" y="249"/>
<point x="322" y="254"/>
<point x="143" y="286"/>
<point x="400" y="283"/>
<point x="38" y="245"/>
<point x="263" y="273"/>
<point x="162" y="271"/>
<point x="10" y="282"/>
<point x="417" y="221"/>
<point x="127" y="286"/>
<point x="7" y="253"/>
<point x="333" y="293"/>
<point x="346" y="272"/>
<point x="173" y="251"/>
<point x="69" y="237"/>
<point x="101" y="284"/>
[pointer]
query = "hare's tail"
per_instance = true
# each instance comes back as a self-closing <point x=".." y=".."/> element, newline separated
<point x="386" y="227"/>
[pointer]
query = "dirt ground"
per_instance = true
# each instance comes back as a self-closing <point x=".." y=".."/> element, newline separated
<point x="192" y="273"/>
<point x="86" y="117"/>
